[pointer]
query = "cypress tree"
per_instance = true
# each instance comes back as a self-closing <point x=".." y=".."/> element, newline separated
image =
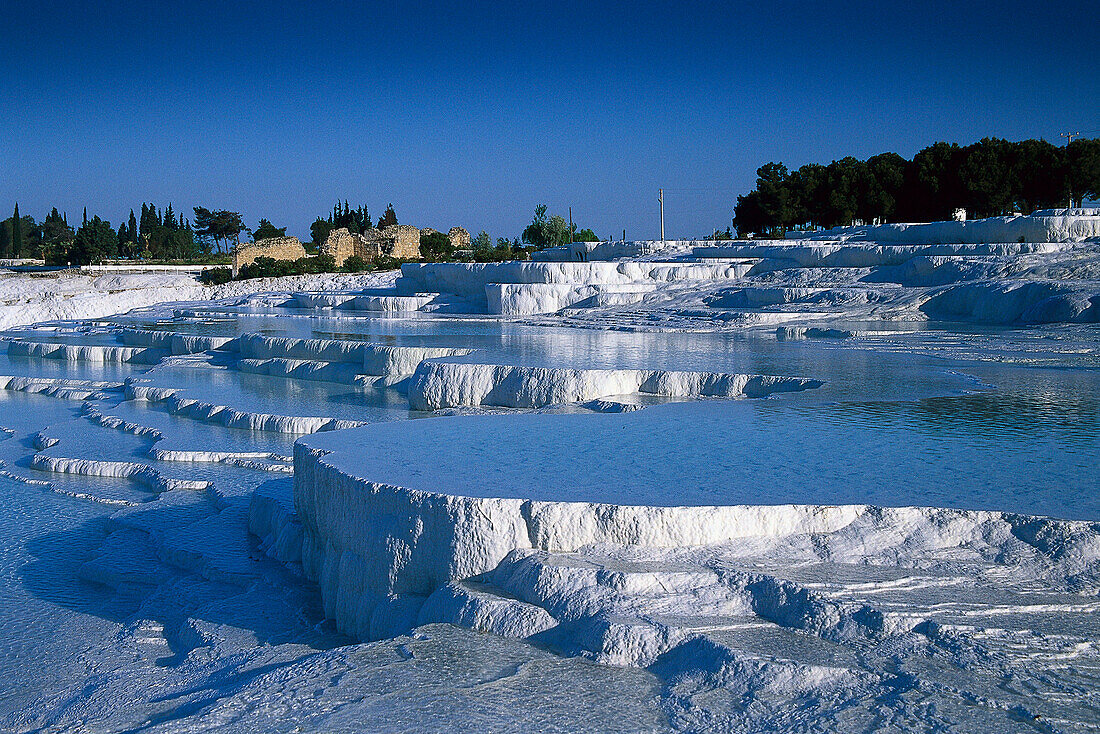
<point x="16" y="233"/>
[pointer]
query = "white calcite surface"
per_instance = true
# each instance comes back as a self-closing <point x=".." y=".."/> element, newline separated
<point x="28" y="299"/>
<point x="228" y="416"/>
<point x="143" y="474"/>
<point x="522" y="299"/>
<point x="85" y="352"/>
<point x="440" y="384"/>
<point x="823" y="604"/>
<point x="1051" y="225"/>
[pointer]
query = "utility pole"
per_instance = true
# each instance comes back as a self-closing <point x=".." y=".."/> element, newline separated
<point x="661" y="198"/>
<point x="570" y="225"/>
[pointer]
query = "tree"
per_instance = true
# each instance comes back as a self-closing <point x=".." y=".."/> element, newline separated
<point x="986" y="177"/>
<point x="748" y="215"/>
<point x="436" y="246"/>
<point x="16" y="233"/>
<point x="775" y="202"/>
<point x="219" y="225"/>
<point x="808" y="193"/>
<point x="1040" y="175"/>
<point x="319" y="230"/>
<point x="267" y="230"/>
<point x="149" y="221"/>
<point x="546" y="231"/>
<point x="481" y="242"/>
<point x="132" y="230"/>
<point x="55" y="230"/>
<point x="535" y="233"/>
<point x="388" y="218"/>
<point x="585" y="235"/>
<point x="885" y="185"/>
<point x="94" y="241"/>
<point x="169" y="221"/>
<point x="934" y="188"/>
<point x="1083" y="168"/>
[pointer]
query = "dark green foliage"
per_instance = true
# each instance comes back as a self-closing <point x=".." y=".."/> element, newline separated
<point x="355" y="221"/>
<point x="267" y="230"/>
<point x="55" y="230"/>
<point x="215" y="276"/>
<point x="988" y="178"/>
<point x="94" y="242"/>
<point x="436" y="247"/>
<point x="550" y="231"/>
<point x="218" y="225"/>
<point x="356" y="264"/>
<point x="16" y="233"/>
<point x="388" y="218"/>
<point x="319" y="230"/>
<point x="20" y="236"/>
<point x="266" y="267"/>
<point x="585" y="235"/>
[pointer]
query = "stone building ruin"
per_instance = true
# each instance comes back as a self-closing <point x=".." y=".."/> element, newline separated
<point x="277" y="248"/>
<point x="397" y="240"/>
<point x="460" y="238"/>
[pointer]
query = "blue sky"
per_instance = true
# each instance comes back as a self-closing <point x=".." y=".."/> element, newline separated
<point x="471" y="113"/>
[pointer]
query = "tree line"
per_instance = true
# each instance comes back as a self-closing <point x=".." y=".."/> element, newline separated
<point x="988" y="178"/>
<point x="163" y="234"/>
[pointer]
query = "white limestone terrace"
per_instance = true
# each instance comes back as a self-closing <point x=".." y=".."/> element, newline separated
<point x="819" y="283"/>
<point x="522" y="288"/>
<point x="584" y="549"/>
<point x="1046" y="225"/>
<point x="28" y="299"/>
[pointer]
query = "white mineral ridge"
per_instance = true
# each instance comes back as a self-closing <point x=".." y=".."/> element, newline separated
<point x="142" y="474"/>
<point x="390" y="361"/>
<point x="26" y="299"/>
<point x="58" y="387"/>
<point x="284" y="356"/>
<point x="836" y="254"/>
<point x="470" y="279"/>
<point x="85" y="352"/>
<point x="388" y="557"/>
<point x="439" y="384"/>
<point x="199" y="410"/>
<point x="1044" y="226"/>
<point x="258" y="346"/>
<point x="522" y="299"/>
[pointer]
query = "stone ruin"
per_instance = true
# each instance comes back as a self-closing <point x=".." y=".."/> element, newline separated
<point x="397" y="240"/>
<point x="400" y="241"/>
<point x="277" y="248"/>
<point x="460" y="238"/>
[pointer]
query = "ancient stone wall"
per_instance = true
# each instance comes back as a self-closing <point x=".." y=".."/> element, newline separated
<point x="277" y="248"/>
<point x="340" y="244"/>
<point x="405" y="240"/>
<point x="460" y="238"/>
<point x="398" y="240"/>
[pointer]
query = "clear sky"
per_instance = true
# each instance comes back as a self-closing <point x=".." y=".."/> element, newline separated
<point x="471" y="113"/>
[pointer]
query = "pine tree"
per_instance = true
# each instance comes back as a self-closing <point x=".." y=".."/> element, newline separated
<point x="131" y="229"/>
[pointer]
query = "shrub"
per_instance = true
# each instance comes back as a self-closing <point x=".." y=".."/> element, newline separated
<point x="215" y="276"/>
<point x="436" y="247"/>
<point x="356" y="264"/>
